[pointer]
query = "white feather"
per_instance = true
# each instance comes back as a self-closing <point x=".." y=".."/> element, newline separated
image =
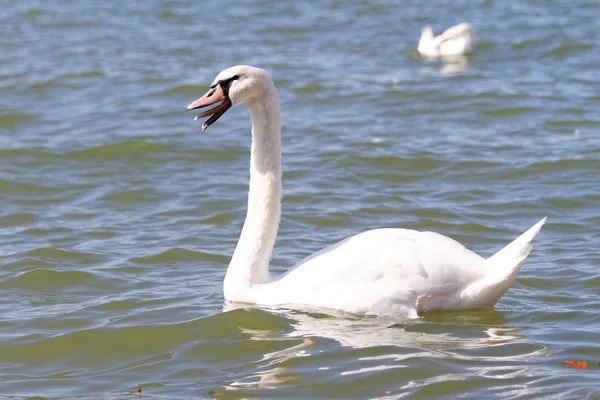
<point x="454" y="41"/>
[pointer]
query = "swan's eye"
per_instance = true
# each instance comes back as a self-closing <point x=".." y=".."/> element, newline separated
<point x="225" y="83"/>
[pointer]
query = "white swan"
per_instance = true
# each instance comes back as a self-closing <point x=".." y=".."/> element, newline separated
<point x="386" y="272"/>
<point x="454" y="41"/>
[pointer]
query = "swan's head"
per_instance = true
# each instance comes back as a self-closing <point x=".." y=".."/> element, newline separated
<point x="233" y="86"/>
<point x="426" y="45"/>
<point x="426" y="33"/>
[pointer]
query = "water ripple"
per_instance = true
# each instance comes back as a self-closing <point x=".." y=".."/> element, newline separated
<point x="119" y="215"/>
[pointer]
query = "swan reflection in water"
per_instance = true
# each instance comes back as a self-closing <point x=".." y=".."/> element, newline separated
<point x="425" y="338"/>
<point x="447" y="66"/>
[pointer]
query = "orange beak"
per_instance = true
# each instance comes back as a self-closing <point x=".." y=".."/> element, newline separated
<point x="213" y="96"/>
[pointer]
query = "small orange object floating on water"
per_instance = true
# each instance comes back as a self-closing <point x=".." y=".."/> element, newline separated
<point x="576" y="364"/>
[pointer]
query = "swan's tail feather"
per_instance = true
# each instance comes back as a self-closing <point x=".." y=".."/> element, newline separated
<point x="502" y="269"/>
<point x="508" y="261"/>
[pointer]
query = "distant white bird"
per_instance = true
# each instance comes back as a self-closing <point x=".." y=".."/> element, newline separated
<point x="386" y="272"/>
<point x="454" y="41"/>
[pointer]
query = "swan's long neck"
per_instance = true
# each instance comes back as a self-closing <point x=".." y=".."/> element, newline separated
<point x="250" y="262"/>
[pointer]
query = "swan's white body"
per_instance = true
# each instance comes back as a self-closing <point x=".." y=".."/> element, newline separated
<point x="386" y="272"/>
<point x="454" y="41"/>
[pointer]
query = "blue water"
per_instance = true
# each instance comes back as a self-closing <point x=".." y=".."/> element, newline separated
<point x="118" y="216"/>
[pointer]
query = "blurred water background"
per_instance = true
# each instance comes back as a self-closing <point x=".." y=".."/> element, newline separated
<point x="118" y="216"/>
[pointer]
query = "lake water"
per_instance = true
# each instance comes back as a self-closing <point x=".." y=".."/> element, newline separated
<point x="119" y="216"/>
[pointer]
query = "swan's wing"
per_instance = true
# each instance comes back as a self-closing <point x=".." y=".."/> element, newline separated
<point x="461" y="31"/>
<point x="383" y="271"/>
<point x="455" y="40"/>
